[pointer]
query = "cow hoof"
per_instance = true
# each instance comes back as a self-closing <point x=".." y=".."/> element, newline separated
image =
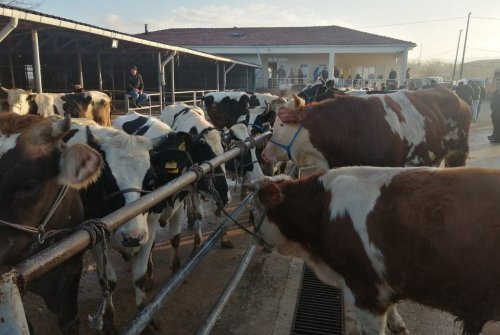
<point x="226" y="244"/>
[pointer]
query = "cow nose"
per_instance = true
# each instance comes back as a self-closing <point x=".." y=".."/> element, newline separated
<point x="132" y="241"/>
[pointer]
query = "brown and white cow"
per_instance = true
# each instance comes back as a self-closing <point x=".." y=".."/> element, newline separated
<point x="34" y="166"/>
<point x="384" y="234"/>
<point x="404" y="128"/>
<point x="93" y="105"/>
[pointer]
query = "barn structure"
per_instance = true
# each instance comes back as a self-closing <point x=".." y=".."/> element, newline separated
<point x="51" y="54"/>
<point x="292" y="48"/>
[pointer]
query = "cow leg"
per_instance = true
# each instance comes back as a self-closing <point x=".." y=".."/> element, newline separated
<point x="395" y="322"/>
<point x="139" y="267"/>
<point x="456" y="158"/>
<point x="198" y="216"/>
<point x="175" y="225"/>
<point x="370" y="323"/>
<point x="109" y="312"/>
<point x="190" y="213"/>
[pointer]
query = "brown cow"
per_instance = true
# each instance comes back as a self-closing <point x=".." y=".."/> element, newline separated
<point x="34" y="166"/>
<point x="385" y="234"/>
<point x="93" y="105"/>
<point x="405" y="128"/>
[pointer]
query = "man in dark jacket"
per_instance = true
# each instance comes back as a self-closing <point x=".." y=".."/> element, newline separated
<point x="495" y="114"/>
<point x="465" y="92"/>
<point x="135" y="88"/>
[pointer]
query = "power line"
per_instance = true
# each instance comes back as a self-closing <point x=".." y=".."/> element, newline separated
<point x="486" y="18"/>
<point x="487" y="50"/>
<point x="414" y="22"/>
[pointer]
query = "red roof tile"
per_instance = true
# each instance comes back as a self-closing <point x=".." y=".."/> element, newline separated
<point x="318" y="35"/>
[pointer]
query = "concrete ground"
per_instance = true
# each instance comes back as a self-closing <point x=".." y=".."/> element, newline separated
<point x="264" y="301"/>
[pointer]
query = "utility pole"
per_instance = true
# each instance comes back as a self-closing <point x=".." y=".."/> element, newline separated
<point x="465" y="44"/>
<point x="456" y="55"/>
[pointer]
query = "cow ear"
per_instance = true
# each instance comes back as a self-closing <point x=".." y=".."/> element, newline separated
<point x="244" y="100"/>
<point x="184" y="141"/>
<point x="29" y="91"/>
<point x="79" y="166"/>
<point x="4" y="89"/>
<point x="270" y="196"/>
<point x="61" y="127"/>
<point x="298" y="101"/>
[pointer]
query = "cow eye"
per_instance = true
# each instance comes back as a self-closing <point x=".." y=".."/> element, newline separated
<point x="28" y="189"/>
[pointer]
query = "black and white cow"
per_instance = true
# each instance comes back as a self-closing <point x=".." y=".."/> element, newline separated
<point x="227" y="108"/>
<point x="93" y="105"/>
<point x="191" y="119"/>
<point x="127" y="169"/>
<point x="247" y="165"/>
<point x="183" y="147"/>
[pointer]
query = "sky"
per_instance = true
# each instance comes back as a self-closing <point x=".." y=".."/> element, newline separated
<point x="433" y="25"/>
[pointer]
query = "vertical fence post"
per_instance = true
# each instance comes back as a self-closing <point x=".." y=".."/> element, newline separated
<point x="12" y="317"/>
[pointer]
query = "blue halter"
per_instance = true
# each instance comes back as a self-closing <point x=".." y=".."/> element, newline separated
<point x="288" y="147"/>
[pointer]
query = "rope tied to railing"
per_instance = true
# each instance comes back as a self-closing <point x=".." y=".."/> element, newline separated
<point x="99" y="233"/>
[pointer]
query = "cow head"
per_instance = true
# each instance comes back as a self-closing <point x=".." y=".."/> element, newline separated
<point x="204" y="147"/>
<point x="269" y="196"/>
<point x="126" y="167"/>
<point x="229" y="112"/>
<point x="251" y="167"/>
<point x="34" y="165"/>
<point x="319" y="91"/>
<point x="18" y="100"/>
<point x="286" y="128"/>
<point x="170" y="156"/>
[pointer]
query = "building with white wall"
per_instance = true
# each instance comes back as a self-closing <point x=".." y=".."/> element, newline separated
<point x="352" y="52"/>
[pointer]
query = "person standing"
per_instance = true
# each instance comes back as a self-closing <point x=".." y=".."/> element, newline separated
<point x="465" y="93"/>
<point x="495" y="115"/>
<point x="476" y="93"/>
<point x="324" y="74"/>
<point x="336" y="72"/>
<point x="482" y="96"/>
<point x="393" y="74"/>
<point x="408" y="73"/>
<point x="300" y="75"/>
<point x="316" y="73"/>
<point x="135" y="88"/>
<point x="281" y="74"/>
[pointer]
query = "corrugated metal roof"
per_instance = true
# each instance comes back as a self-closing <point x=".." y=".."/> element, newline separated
<point x="265" y="36"/>
<point x="37" y="19"/>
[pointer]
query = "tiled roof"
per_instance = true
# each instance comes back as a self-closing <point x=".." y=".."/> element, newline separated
<point x="318" y="35"/>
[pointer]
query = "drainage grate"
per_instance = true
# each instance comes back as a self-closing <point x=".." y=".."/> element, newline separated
<point x="319" y="309"/>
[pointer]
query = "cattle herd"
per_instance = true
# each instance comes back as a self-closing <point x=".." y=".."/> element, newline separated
<point x="382" y="221"/>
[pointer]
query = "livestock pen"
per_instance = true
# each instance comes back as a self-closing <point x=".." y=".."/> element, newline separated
<point x="15" y="281"/>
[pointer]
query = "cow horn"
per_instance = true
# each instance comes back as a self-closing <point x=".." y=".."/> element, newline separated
<point x="4" y="89"/>
<point x="61" y="127"/>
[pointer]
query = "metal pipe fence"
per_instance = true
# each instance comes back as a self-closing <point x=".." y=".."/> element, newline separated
<point x="47" y="259"/>
<point x="146" y="315"/>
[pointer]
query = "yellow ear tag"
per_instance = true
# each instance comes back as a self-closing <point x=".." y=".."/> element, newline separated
<point x="182" y="146"/>
<point x="171" y="167"/>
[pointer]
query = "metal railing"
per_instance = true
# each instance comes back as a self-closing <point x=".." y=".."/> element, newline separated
<point x="28" y="270"/>
<point x="192" y="97"/>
